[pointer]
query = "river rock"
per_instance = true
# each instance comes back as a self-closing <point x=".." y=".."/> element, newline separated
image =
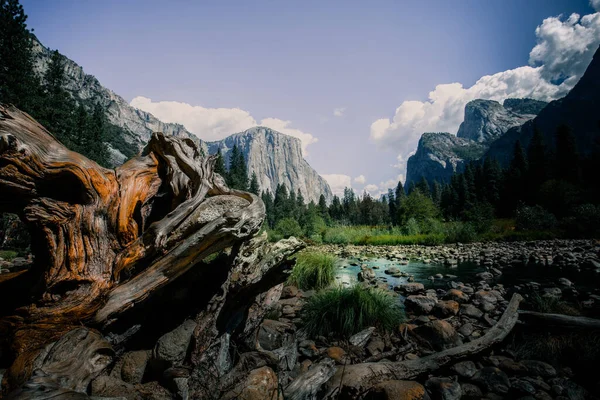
<point x="445" y="308"/>
<point x="539" y="368"/>
<point x="493" y="380"/>
<point x="397" y="390"/>
<point x="419" y="304"/>
<point x="134" y="365"/>
<point x="440" y="334"/>
<point x="466" y="369"/>
<point x="443" y="389"/>
<point x="456" y="295"/>
<point x="410" y="288"/>
<point x="271" y="334"/>
<point x="470" y="310"/>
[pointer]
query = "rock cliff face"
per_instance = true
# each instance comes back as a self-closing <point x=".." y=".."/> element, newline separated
<point x="277" y="159"/>
<point x="440" y="155"/>
<point x="486" y="120"/>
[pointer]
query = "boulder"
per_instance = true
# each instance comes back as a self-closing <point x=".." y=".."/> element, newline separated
<point x="539" y="368"/>
<point x="440" y="334"/>
<point x="134" y="366"/>
<point x="456" y="295"/>
<point x="337" y="354"/>
<point x="470" y="310"/>
<point x="443" y="389"/>
<point x="493" y="380"/>
<point x="260" y="384"/>
<point x="445" y="308"/>
<point x="419" y="304"/>
<point x="172" y="347"/>
<point x="271" y="334"/>
<point x="410" y="288"/>
<point x="466" y="369"/>
<point x="397" y="390"/>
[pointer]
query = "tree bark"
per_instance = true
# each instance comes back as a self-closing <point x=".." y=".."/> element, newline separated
<point x="105" y="240"/>
<point x="355" y="380"/>
<point x="559" y="320"/>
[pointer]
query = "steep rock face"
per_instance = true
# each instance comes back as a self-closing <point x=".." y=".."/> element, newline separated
<point x="439" y="156"/>
<point x="272" y="163"/>
<point x="277" y="159"/>
<point x="486" y="120"/>
<point x="138" y="124"/>
<point x="578" y="110"/>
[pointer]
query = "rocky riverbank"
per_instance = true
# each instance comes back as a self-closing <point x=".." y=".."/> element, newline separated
<point x="281" y="362"/>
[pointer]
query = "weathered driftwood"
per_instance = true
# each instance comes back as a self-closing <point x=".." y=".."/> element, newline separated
<point x="558" y="320"/>
<point x="106" y="240"/>
<point x="307" y="385"/>
<point x="355" y="380"/>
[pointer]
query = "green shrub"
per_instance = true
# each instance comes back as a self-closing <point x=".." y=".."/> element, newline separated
<point x="344" y="311"/>
<point x="288" y="227"/>
<point x="481" y="216"/>
<point x="462" y="232"/>
<point x="8" y="255"/>
<point x="313" y="270"/>
<point x="534" y="218"/>
<point x="411" y="227"/>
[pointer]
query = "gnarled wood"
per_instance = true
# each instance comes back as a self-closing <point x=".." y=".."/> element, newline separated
<point x="105" y="240"/>
<point x="355" y="380"/>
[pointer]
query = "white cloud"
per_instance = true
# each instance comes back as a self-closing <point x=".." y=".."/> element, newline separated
<point x="595" y="4"/>
<point x="339" y="112"/>
<point x="372" y="189"/>
<point x="360" y="179"/>
<point x="215" y="123"/>
<point x="337" y="182"/>
<point x="563" y="51"/>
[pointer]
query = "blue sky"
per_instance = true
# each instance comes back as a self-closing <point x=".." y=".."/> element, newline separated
<point x="225" y="65"/>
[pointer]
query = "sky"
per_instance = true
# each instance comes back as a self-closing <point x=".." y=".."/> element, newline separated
<point x="357" y="81"/>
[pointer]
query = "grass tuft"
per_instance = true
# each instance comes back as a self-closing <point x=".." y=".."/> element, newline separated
<point x="344" y="311"/>
<point x="313" y="270"/>
<point x="8" y="255"/>
<point x="550" y="305"/>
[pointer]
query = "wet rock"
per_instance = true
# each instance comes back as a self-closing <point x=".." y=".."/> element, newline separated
<point x="260" y="384"/>
<point x="443" y="389"/>
<point x="552" y="292"/>
<point x="397" y="390"/>
<point x="487" y="276"/>
<point x="419" y="304"/>
<point x="445" y="308"/>
<point x="456" y="295"/>
<point x="440" y="334"/>
<point x="493" y="380"/>
<point x="466" y="369"/>
<point x="366" y="275"/>
<point x="172" y="347"/>
<point x="539" y="368"/>
<point x="392" y="271"/>
<point x="410" y="288"/>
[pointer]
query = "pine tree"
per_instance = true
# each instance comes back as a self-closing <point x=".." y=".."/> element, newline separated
<point x="18" y="83"/>
<point x="423" y="186"/>
<point x="335" y="209"/>
<point x="567" y="157"/>
<point x="267" y="198"/>
<point x="220" y="164"/>
<point x="436" y="193"/>
<point x="254" y="186"/>
<point x="237" y="176"/>
<point x="492" y="181"/>
<point x="392" y="208"/>
<point x="323" y="210"/>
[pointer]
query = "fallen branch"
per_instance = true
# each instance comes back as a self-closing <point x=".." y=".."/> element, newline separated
<point x="559" y="320"/>
<point x="359" y="378"/>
